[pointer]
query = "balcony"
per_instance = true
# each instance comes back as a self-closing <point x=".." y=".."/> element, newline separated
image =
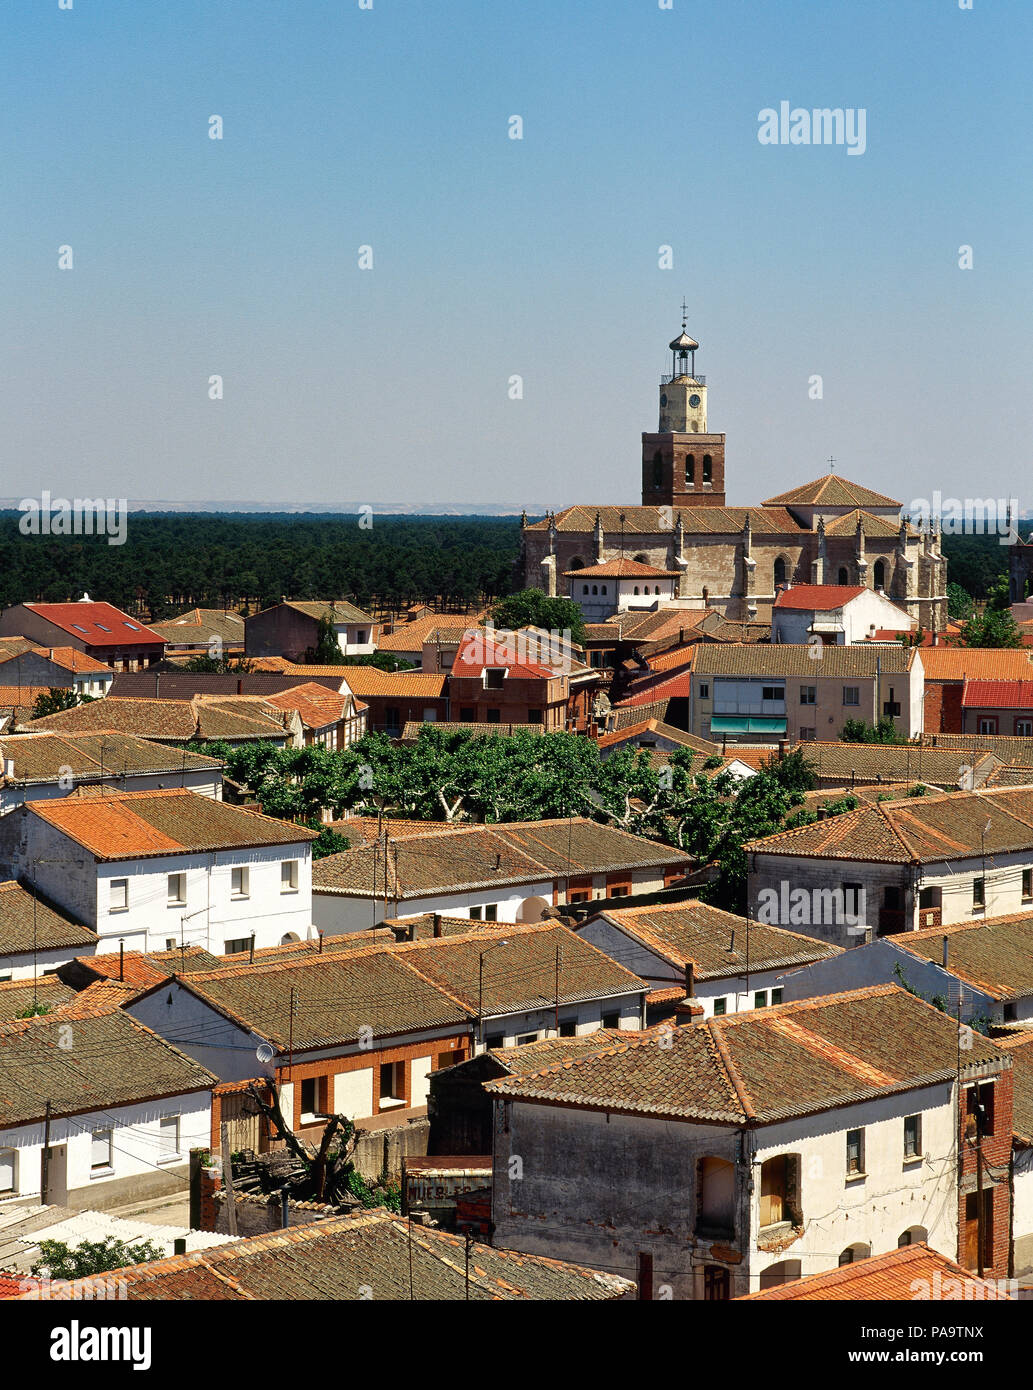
<point x="681" y="376"/>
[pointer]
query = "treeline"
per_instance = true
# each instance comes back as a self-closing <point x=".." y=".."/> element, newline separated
<point x="172" y="561"/>
<point x="977" y="563"/>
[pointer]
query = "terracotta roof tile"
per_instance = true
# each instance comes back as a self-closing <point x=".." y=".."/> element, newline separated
<point x="893" y="1275"/>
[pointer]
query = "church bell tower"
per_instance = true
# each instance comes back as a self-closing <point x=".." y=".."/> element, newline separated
<point x="682" y="464"/>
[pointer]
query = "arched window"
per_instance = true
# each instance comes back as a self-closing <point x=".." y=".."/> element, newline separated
<point x="595" y="588"/>
<point x="636" y="588"/>
<point x="844" y="577"/>
<point x="879" y="574"/>
<point x="577" y="563"/>
<point x="690" y="469"/>
<point x="584" y="588"/>
<point x="855" y="1252"/>
<point x="782" y="1273"/>
<point x="912" y="1236"/>
<point x="780" y="571"/>
<point x="656" y="588"/>
<point x="603" y="589"/>
<point x="708" y="468"/>
<point x="658" y="468"/>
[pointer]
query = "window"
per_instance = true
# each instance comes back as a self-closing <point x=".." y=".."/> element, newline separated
<point x="8" y="1170"/>
<point x="170" y="943"/>
<point x="1027" y="885"/>
<point x="891" y="898"/>
<point x="568" y="1028"/>
<point x="779" y="572"/>
<point x="843" y="577"/>
<point x="926" y="897"/>
<point x="776" y="996"/>
<point x="392" y="719"/>
<point x="716" y="1283"/>
<point x="534" y="716"/>
<point x="808" y="694"/>
<point x="760" y="999"/>
<point x="584" y="588"/>
<point x="177" y="895"/>
<point x="1024" y="727"/>
<point x="288" y="876"/>
<point x="100" y="1149"/>
<point x="912" y="1136"/>
<point x="168" y="1137"/>
<point x="240" y="883"/>
<point x="708" y="468"/>
<point x="979" y="892"/>
<point x="392" y="1082"/>
<point x="690" y="469"/>
<point x="704" y="691"/>
<point x="721" y="1005"/>
<point x="475" y="914"/>
<point x="492" y="716"/>
<point x="313" y="1096"/>
<point x="855" y="1153"/>
<point x="238" y="943"/>
<point x="808" y="733"/>
<point x="119" y="898"/>
<point x="773" y="692"/>
<point x="988" y="724"/>
<point x="524" y="1038"/>
<point x="494" y="676"/>
<point x="611" y="1020"/>
<point x="466" y="714"/>
<point x="851" y="695"/>
<point x="495" y="1040"/>
<point x="979" y="1106"/>
<point x="853" y="901"/>
<point x="635" y="590"/>
<point x="491" y="913"/>
<point x="891" y="707"/>
<point x="879" y="574"/>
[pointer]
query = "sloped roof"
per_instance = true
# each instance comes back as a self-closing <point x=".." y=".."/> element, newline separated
<point x="316" y="705"/>
<point x="99" y="624"/>
<point x="657" y="521"/>
<point x="895" y="762"/>
<point x="365" y="681"/>
<point x="135" y="825"/>
<point x="410" y="637"/>
<point x="16" y="996"/>
<point x="997" y="694"/>
<point x="994" y="954"/>
<point x="28" y="923"/>
<point x="337" y="1260"/>
<point x="890" y="1276"/>
<point x="233" y="717"/>
<point x="877" y="527"/>
<point x="797" y="659"/>
<point x="449" y="859"/>
<point x="115" y="1061"/>
<point x="68" y="658"/>
<point x="764" y="1065"/>
<point x="621" y="568"/>
<point x="920" y="830"/>
<point x="831" y="490"/>
<point x="661" y="730"/>
<point x="717" y="943"/>
<point x="339" y="609"/>
<point x="142" y="969"/>
<point x="44" y="755"/>
<point x="818" y="598"/>
<point x="985" y="663"/>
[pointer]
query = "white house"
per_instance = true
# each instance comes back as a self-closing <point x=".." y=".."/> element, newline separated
<point x="836" y="613"/>
<point x="34" y="939"/>
<point x="724" y="962"/>
<point x="125" y="1109"/>
<point x="158" y="870"/>
<point x="1020" y="1049"/>
<point x="37" y="766"/>
<point x="619" y="586"/>
<point x="925" y="861"/>
<point x="493" y="873"/>
<point x="756" y="1148"/>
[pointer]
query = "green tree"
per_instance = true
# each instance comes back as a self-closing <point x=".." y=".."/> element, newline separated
<point x="534" y="608"/>
<point x="884" y="731"/>
<point x="794" y="772"/>
<point x="959" y="602"/>
<point x="327" y="651"/>
<point x="57" y="1260"/>
<point x="991" y="628"/>
<point x="53" y="701"/>
<point x="328" y="842"/>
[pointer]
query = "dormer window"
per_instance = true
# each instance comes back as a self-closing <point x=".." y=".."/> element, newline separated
<point x="494" y="677"/>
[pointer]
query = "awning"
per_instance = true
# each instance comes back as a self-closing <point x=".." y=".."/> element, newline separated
<point x="752" y="724"/>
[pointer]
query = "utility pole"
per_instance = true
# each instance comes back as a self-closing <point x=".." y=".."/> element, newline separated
<point x="227" y="1181"/>
<point x="45" y="1183"/>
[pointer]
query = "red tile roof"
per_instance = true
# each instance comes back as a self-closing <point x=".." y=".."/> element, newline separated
<point x="818" y="598"/>
<point x="999" y="694"/>
<point x="983" y="663"/>
<point x="621" y="568"/>
<point x="99" y="624"/>
<point x="893" y="1275"/>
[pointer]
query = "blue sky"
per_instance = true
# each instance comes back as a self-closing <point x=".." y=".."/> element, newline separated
<point x="495" y="257"/>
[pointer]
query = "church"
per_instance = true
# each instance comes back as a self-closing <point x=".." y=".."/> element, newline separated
<point x="685" y="546"/>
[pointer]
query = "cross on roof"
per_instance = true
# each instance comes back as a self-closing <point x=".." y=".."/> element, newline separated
<point x="831" y="463"/>
<point x="684" y="314"/>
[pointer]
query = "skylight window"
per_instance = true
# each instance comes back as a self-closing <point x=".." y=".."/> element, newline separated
<point x="103" y="628"/>
<point x="80" y="629"/>
<point x="125" y="624"/>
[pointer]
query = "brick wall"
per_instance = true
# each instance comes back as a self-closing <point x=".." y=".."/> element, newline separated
<point x="996" y="1157"/>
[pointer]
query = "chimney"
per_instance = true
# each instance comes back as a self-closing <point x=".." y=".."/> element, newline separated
<point x="251" y="951"/>
<point x="284" y="1207"/>
<point x="320" y="943"/>
<point x="240" y="685"/>
<point x="179" y="1245"/>
<point x="157" y="678"/>
<point x="122" y="956"/>
<point x="690" y="979"/>
<point x="437" y="923"/>
<point x="946" y="952"/>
